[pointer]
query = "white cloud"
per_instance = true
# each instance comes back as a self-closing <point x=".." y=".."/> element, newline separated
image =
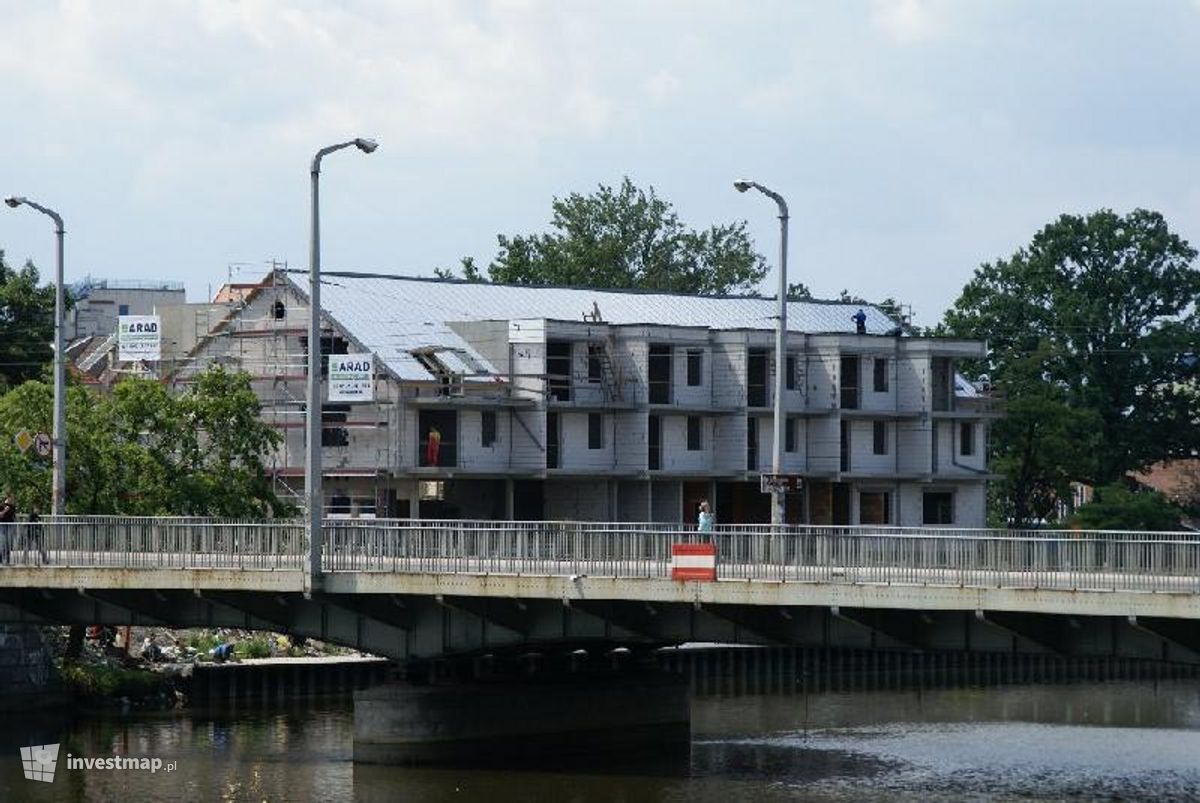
<point x="906" y="21"/>
<point x="661" y="85"/>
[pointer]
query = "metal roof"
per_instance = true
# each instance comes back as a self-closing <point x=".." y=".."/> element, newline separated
<point x="391" y="316"/>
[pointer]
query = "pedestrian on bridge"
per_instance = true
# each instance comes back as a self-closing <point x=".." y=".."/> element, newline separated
<point x="8" y="518"/>
<point x="33" y="535"/>
<point x="706" y="520"/>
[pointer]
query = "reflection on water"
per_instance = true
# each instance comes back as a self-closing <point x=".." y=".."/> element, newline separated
<point x="1129" y="740"/>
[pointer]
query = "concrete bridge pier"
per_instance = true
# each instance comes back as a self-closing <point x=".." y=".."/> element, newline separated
<point x="523" y="721"/>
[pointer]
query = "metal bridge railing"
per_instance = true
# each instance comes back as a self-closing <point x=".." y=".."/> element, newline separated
<point x="1111" y="561"/>
<point x="1097" y="560"/>
<point x="153" y="543"/>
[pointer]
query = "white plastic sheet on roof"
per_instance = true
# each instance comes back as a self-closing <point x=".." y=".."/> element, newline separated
<point x="391" y="317"/>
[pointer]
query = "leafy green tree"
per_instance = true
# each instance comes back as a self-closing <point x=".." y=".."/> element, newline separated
<point x="798" y="291"/>
<point x="1115" y="507"/>
<point x="221" y="450"/>
<point x="626" y="238"/>
<point x="1039" y="446"/>
<point x="1106" y="305"/>
<point x="142" y="451"/>
<point x="26" y="324"/>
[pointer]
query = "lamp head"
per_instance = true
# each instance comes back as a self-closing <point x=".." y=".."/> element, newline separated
<point x="366" y="145"/>
<point x="14" y="201"/>
<point x="743" y="185"/>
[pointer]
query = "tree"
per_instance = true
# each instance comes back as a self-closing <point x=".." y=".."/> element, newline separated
<point x="627" y="238"/>
<point x="1115" y="507"/>
<point x="798" y="291"/>
<point x="26" y="324"/>
<point x="1106" y="305"/>
<point x="141" y="451"/>
<point x="1039" y="446"/>
<point x="470" y="271"/>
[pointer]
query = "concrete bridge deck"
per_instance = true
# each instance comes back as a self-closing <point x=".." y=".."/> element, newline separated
<point x="410" y="588"/>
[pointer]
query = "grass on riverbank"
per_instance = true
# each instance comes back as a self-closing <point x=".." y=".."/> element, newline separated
<point x="101" y="683"/>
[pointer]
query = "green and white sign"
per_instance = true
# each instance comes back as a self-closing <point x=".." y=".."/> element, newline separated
<point x="351" y="378"/>
<point x="139" y="337"/>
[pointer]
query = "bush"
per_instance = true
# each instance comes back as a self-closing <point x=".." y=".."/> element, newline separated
<point x="106" y="683"/>
<point x="254" y="648"/>
<point x="1115" y="507"/>
<point x="202" y="642"/>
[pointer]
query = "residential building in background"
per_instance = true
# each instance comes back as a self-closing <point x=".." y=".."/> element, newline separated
<point x="564" y="403"/>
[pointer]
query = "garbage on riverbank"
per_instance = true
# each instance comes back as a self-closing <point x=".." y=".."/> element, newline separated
<point x="149" y="668"/>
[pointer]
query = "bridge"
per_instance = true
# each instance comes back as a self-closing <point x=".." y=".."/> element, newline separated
<point x="422" y="590"/>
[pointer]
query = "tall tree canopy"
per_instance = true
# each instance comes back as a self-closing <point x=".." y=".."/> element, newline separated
<point x="1102" y="310"/>
<point x="26" y="323"/>
<point x="142" y="451"/>
<point x="627" y="237"/>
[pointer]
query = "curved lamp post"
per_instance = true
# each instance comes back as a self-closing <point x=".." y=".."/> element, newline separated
<point x="312" y="464"/>
<point x="777" y="496"/>
<point x="58" y="493"/>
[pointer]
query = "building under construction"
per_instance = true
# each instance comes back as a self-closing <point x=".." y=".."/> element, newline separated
<point x="567" y="403"/>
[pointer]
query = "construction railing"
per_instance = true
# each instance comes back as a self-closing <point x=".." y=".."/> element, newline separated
<point x="1111" y="561"/>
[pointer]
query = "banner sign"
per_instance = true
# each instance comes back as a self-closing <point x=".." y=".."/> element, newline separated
<point x="351" y="378"/>
<point x="769" y="483"/>
<point x="139" y="337"/>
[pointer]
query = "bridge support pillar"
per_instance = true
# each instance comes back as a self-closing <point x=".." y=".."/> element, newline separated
<point x="485" y="723"/>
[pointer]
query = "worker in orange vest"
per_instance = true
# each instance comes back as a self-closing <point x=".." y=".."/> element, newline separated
<point x="433" y="445"/>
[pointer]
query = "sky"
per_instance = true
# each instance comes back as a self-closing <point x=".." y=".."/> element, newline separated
<point x="913" y="139"/>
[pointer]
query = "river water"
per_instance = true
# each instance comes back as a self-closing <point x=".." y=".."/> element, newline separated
<point x="1084" y="741"/>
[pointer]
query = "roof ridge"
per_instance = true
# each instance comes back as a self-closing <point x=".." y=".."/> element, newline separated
<point x="347" y="274"/>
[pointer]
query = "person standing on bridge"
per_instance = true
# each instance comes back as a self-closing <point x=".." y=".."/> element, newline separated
<point x="706" y="520"/>
<point x="8" y="517"/>
<point x="33" y="536"/>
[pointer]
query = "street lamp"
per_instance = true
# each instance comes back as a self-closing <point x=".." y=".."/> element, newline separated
<point x="312" y="463"/>
<point x="777" y="495"/>
<point x="58" y="487"/>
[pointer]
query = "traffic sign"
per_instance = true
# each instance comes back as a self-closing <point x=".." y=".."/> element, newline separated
<point x="769" y="483"/>
<point x="41" y="444"/>
<point x="23" y="440"/>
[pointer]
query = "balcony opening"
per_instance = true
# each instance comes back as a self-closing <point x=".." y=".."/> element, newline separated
<point x="438" y="433"/>
<point x="756" y="378"/>
<point x="659" y="369"/>
<point x="331" y="433"/>
<point x="938" y="507"/>
<point x="558" y="369"/>
<point x="849" y="383"/>
<point x="874" y="507"/>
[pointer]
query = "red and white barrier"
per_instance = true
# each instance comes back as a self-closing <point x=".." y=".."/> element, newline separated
<point x="694" y="562"/>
